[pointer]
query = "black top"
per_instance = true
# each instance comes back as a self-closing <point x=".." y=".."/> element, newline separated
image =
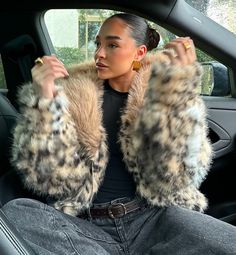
<point x="118" y="182"/>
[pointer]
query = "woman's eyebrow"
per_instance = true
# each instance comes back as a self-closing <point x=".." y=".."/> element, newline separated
<point x="112" y="37"/>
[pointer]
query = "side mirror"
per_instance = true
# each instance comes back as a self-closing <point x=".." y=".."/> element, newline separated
<point x="215" y="80"/>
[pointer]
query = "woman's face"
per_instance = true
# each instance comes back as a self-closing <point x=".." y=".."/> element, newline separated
<point x="115" y="51"/>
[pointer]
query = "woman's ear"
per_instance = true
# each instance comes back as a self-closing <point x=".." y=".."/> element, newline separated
<point x="141" y="52"/>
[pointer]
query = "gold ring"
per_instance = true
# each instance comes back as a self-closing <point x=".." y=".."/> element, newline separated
<point x="38" y="61"/>
<point x="187" y="45"/>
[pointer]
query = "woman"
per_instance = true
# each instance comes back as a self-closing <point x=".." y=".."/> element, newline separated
<point x="119" y="147"/>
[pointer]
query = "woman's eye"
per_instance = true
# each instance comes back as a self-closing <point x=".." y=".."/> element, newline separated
<point x="112" y="46"/>
<point x="97" y="44"/>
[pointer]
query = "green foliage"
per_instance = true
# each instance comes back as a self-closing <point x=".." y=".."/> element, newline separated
<point x="2" y="81"/>
<point x="207" y="81"/>
<point x="203" y="57"/>
<point x="102" y="14"/>
<point x="2" y="77"/>
<point x="69" y="55"/>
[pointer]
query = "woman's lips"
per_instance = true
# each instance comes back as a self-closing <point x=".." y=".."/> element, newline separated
<point x="101" y="66"/>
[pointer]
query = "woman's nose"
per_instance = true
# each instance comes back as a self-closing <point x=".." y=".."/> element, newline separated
<point x="100" y="52"/>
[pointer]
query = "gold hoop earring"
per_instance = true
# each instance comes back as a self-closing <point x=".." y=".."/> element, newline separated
<point x="136" y="65"/>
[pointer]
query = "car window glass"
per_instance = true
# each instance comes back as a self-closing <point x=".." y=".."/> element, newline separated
<point x="81" y="27"/>
<point x="2" y="77"/>
<point x="221" y="11"/>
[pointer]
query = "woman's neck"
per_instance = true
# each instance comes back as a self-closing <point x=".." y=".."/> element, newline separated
<point x="122" y="83"/>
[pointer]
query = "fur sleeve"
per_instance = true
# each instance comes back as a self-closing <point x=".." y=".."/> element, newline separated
<point x="170" y="138"/>
<point x="48" y="154"/>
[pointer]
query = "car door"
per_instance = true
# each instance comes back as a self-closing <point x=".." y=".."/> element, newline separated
<point x="215" y="37"/>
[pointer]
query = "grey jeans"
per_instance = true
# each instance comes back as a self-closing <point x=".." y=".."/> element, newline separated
<point x="150" y="230"/>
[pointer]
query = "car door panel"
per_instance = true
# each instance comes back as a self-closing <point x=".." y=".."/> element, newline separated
<point x="222" y="124"/>
<point x="219" y="186"/>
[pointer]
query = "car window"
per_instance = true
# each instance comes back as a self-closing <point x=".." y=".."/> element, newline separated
<point x="81" y="27"/>
<point x="221" y="11"/>
<point x="2" y="77"/>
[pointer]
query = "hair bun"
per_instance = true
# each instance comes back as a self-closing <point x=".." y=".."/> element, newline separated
<point x="153" y="39"/>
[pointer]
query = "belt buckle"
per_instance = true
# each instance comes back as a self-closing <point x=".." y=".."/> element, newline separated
<point x="110" y="207"/>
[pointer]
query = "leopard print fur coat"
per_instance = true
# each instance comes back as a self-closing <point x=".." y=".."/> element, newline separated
<point x="60" y="148"/>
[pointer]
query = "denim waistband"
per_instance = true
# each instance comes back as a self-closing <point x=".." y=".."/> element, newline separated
<point x="116" y="208"/>
<point x="119" y="200"/>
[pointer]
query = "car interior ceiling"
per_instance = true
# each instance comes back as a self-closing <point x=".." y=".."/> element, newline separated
<point x="18" y="53"/>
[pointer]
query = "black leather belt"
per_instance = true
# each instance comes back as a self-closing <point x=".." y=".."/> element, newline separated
<point x="116" y="210"/>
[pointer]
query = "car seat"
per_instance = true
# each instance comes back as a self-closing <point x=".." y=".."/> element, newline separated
<point x="18" y="55"/>
<point x="8" y="115"/>
<point x="10" y="184"/>
<point x="11" y="243"/>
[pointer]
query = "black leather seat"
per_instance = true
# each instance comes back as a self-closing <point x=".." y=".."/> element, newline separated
<point x="19" y="53"/>
<point x="10" y="184"/>
<point x="8" y="115"/>
<point x="11" y="243"/>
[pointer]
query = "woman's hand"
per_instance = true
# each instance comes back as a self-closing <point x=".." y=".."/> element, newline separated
<point x="184" y="52"/>
<point x="44" y="75"/>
